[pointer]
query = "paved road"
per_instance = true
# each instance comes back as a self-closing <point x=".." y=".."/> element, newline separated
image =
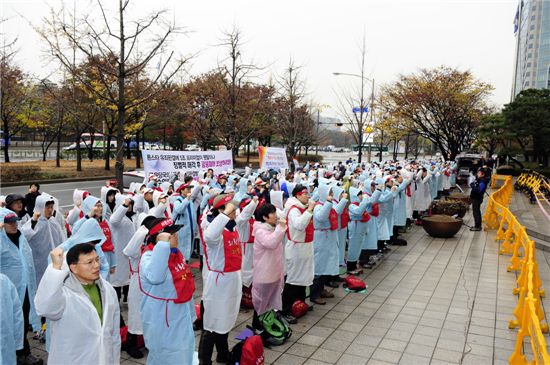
<point x="62" y="191"/>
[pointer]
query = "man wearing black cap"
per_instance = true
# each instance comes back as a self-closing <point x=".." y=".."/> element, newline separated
<point x="16" y="203"/>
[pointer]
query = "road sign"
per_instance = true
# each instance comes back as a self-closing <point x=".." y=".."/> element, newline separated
<point x="358" y="110"/>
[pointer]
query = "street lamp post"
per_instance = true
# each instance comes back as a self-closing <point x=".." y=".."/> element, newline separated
<point x="362" y="107"/>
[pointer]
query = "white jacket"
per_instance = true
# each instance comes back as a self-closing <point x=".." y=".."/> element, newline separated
<point x="77" y="334"/>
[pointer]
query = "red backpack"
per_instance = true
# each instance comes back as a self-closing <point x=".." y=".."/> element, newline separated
<point x="248" y="352"/>
<point x="354" y="283"/>
<point x="299" y="309"/>
<point x="246" y="298"/>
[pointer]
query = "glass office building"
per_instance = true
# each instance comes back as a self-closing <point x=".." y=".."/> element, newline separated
<point x="532" y="66"/>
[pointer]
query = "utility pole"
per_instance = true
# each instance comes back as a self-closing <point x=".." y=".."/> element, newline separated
<point x="317" y="137"/>
<point x="371" y="118"/>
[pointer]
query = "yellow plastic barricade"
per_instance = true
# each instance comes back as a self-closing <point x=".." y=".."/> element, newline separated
<point x="532" y="329"/>
<point x="528" y="315"/>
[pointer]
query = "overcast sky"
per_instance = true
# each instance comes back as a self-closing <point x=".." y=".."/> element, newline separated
<point x="322" y="36"/>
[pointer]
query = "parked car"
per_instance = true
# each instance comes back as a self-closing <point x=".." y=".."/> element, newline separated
<point x="466" y="163"/>
<point x="132" y="176"/>
<point x="192" y="147"/>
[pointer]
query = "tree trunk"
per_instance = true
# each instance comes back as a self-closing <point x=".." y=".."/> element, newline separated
<point x="108" y="153"/>
<point x="407" y="147"/>
<point x="78" y="152"/>
<point x="58" y="150"/>
<point x="138" y="153"/>
<point x="248" y="151"/>
<point x="6" y="142"/>
<point x="119" y="166"/>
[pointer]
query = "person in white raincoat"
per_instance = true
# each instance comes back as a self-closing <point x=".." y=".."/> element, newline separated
<point x="76" y="212"/>
<point x="81" y="307"/>
<point x="167" y="285"/>
<point x="94" y="209"/>
<point x="298" y="249"/>
<point x="11" y="315"/>
<point x="422" y="195"/>
<point x="108" y="198"/>
<point x="123" y="225"/>
<point x="43" y="233"/>
<point x="161" y="204"/>
<point x="16" y="262"/>
<point x="223" y="284"/>
<point x="133" y="252"/>
<point x="245" y="226"/>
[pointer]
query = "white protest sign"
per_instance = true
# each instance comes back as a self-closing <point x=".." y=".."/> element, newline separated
<point x="164" y="164"/>
<point x="272" y="158"/>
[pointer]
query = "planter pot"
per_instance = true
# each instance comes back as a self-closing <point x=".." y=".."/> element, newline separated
<point x="460" y="197"/>
<point x="441" y="226"/>
<point x="449" y="207"/>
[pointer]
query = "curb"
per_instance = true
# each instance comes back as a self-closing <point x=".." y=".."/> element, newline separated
<point x="55" y="181"/>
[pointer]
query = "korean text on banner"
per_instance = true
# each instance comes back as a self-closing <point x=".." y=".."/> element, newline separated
<point x="272" y="158"/>
<point x="164" y="164"/>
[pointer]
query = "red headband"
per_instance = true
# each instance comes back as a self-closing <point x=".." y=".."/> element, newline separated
<point x="244" y="203"/>
<point x="160" y="226"/>
<point x="183" y="186"/>
<point x="223" y="201"/>
<point x="302" y="192"/>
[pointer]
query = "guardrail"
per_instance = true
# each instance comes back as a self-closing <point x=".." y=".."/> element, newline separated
<point x="528" y="314"/>
<point x="537" y="186"/>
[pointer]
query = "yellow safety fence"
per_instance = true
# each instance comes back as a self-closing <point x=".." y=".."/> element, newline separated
<point x="529" y="314"/>
<point x="537" y="185"/>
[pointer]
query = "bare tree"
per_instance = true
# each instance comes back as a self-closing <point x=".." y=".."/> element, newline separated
<point x="110" y="36"/>
<point x="297" y="127"/>
<point x="238" y="107"/>
<point x="353" y="106"/>
<point x="13" y="93"/>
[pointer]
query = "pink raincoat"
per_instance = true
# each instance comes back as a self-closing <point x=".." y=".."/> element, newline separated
<point x="268" y="274"/>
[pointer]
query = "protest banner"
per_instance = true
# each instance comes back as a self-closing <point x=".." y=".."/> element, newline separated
<point x="164" y="164"/>
<point x="272" y="158"/>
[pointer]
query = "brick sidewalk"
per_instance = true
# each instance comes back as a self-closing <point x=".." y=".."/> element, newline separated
<point x="435" y="301"/>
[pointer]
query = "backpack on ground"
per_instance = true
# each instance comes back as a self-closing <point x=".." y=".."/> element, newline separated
<point x="276" y="330"/>
<point x="249" y="351"/>
<point x="353" y="283"/>
<point x="299" y="309"/>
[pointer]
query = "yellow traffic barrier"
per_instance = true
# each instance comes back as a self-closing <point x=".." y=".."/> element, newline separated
<point x="528" y="314"/>
<point x="495" y="178"/>
<point x="532" y="329"/>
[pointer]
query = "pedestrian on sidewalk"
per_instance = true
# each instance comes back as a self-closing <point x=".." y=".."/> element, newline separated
<point x="479" y="186"/>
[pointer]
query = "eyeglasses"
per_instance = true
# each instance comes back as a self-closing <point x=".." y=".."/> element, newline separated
<point x="90" y="262"/>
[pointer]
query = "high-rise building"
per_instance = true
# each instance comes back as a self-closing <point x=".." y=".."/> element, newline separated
<point x="532" y="28"/>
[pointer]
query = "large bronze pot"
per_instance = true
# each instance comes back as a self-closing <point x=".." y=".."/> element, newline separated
<point x="461" y="197"/>
<point x="441" y="228"/>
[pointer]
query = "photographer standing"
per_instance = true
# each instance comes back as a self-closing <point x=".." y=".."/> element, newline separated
<point x="476" y="195"/>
